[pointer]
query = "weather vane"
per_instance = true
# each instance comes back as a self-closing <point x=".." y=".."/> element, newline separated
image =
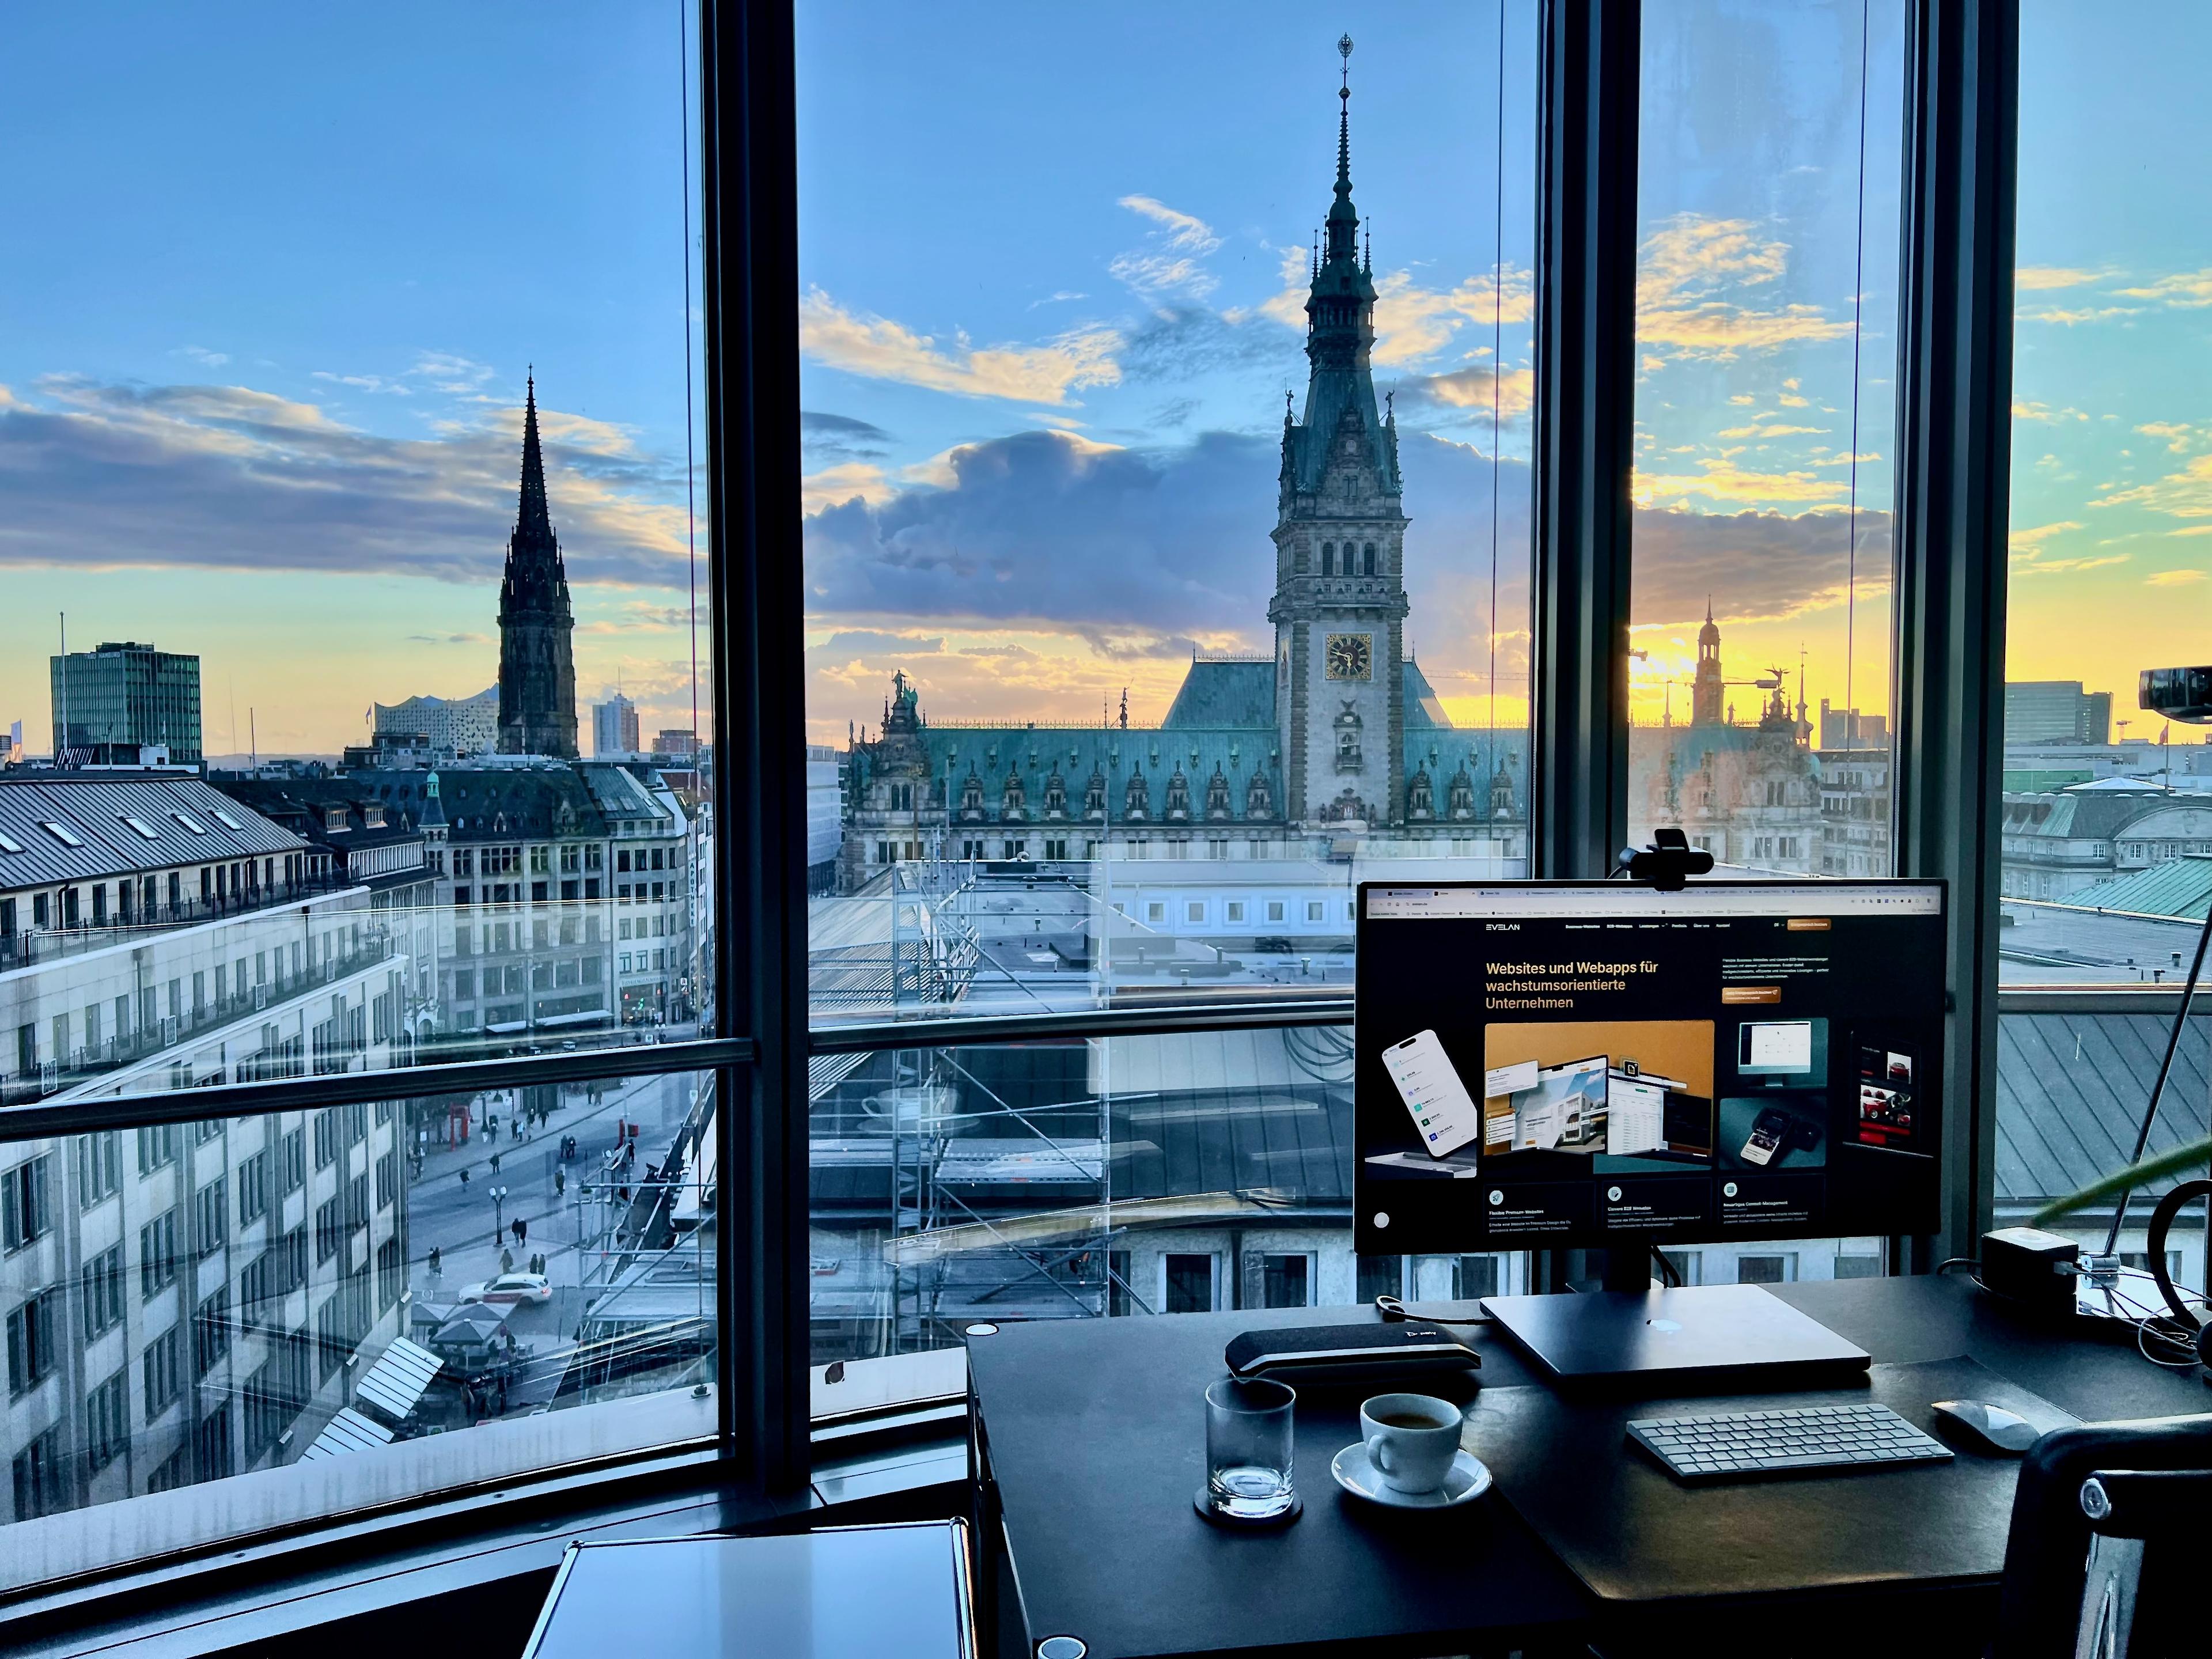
<point x="1344" y="46"/>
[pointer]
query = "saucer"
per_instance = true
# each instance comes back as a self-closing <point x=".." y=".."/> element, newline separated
<point x="1467" y="1478"/>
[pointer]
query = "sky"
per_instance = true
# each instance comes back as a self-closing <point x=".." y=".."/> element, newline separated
<point x="276" y="274"/>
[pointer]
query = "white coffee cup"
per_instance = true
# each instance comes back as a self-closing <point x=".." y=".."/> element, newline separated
<point x="1412" y="1439"/>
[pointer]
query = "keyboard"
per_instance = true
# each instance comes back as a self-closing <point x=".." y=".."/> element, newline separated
<point x="1811" y="1439"/>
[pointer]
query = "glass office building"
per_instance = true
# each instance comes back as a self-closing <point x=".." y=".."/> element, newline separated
<point x="1079" y="497"/>
<point x="125" y="699"/>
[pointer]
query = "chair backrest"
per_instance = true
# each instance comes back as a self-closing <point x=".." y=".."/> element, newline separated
<point x="2047" y="1552"/>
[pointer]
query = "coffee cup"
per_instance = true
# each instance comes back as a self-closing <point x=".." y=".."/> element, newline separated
<point x="1412" y="1439"/>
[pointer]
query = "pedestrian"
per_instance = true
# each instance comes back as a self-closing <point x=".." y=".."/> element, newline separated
<point x="507" y="1262"/>
<point x="464" y="1177"/>
<point x="520" y="1228"/>
<point x="495" y="1163"/>
<point x="435" y="1259"/>
<point x="560" y="1182"/>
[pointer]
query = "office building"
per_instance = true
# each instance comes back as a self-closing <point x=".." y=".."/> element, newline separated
<point x="537" y="665"/>
<point x="614" y="726"/>
<point x="452" y="727"/>
<point x="2055" y="711"/>
<point x="126" y="703"/>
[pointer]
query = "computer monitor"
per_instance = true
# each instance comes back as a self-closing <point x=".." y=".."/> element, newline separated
<point x="1563" y="1065"/>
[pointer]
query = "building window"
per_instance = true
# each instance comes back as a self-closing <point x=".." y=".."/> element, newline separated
<point x="211" y="1221"/>
<point x="1378" y="1275"/>
<point x="157" y="1147"/>
<point x="41" y="1485"/>
<point x="157" y="1255"/>
<point x="1186" y="1282"/>
<point x="101" y="1279"/>
<point x="1286" y="1281"/>
<point x="1780" y="1269"/>
<point x="34" y="1340"/>
<point x="26" y="1207"/>
<point x="210" y="1332"/>
<point x="163" y="1368"/>
<point x="107" y="1422"/>
<point x="252" y="1188"/>
<point x="1477" y="1276"/>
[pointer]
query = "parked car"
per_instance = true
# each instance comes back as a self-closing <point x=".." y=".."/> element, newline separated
<point x="510" y="1287"/>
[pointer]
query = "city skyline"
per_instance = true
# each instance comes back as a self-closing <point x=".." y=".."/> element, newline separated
<point x="1038" y="443"/>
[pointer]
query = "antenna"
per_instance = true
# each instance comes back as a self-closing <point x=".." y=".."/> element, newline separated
<point x="61" y="736"/>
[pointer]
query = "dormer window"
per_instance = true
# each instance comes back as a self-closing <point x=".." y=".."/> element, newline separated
<point x="189" y="823"/>
<point x="9" y="843"/>
<point x="141" y="827"/>
<point x="334" y="817"/>
<point x="227" y="821"/>
<point x="60" y="832"/>
<point x="372" y="817"/>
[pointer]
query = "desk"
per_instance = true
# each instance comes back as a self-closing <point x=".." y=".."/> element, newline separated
<point x="1087" y="1439"/>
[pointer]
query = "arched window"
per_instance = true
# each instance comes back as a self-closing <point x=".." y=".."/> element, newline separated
<point x="1328" y="558"/>
<point x="1369" y="558"/>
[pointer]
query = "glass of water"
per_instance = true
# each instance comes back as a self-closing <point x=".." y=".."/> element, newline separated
<point x="1247" y="1450"/>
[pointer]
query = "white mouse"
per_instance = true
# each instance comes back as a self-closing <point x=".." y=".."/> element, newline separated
<point x="1994" y="1426"/>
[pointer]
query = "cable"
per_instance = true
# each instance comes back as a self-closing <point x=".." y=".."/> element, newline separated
<point x="1959" y="1261"/>
<point x="2164" y="1067"/>
<point x="1393" y="1312"/>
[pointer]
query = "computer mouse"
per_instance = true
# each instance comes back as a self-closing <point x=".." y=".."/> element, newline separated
<point x="1995" y="1428"/>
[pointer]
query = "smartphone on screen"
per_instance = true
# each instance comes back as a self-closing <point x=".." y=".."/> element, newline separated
<point x="1444" y="1114"/>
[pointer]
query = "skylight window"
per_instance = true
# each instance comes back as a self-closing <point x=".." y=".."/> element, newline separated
<point x="141" y="827"/>
<point x="185" y="820"/>
<point x="227" y="821"/>
<point x="60" y="832"/>
<point x="9" y="843"/>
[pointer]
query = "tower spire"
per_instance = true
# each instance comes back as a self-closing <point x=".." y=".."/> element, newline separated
<point x="537" y="665"/>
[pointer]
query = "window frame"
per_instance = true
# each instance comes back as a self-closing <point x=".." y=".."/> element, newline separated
<point x="1954" y="384"/>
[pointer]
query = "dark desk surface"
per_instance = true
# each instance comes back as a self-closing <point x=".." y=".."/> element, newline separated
<point x="1095" y="1437"/>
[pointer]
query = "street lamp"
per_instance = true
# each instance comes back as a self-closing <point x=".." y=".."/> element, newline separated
<point x="498" y="1215"/>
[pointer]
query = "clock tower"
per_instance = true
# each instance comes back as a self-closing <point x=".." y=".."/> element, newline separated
<point x="1339" y="601"/>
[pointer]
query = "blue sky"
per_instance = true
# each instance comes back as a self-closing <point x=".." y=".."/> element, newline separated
<point x="275" y="273"/>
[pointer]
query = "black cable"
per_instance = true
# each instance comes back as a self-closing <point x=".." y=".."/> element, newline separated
<point x="1670" y="1275"/>
<point x="2165" y="1067"/>
<point x="1393" y="1312"/>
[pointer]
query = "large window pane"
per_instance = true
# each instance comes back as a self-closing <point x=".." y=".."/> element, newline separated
<point x="1123" y="1176"/>
<point x="356" y="1304"/>
<point x="1166" y="520"/>
<point x="2105" y="827"/>
<point x="355" y="664"/>
<point x="1767" y="304"/>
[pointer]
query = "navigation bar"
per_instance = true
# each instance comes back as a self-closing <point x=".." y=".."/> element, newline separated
<point x="1627" y="902"/>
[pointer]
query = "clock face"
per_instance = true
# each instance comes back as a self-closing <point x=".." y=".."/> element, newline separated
<point x="1351" y="657"/>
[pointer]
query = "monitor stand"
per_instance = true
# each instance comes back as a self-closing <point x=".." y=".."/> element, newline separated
<point x="1711" y="1339"/>
<point x="1625" y="1269"/>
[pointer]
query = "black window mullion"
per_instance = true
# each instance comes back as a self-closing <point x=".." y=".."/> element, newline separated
<point x="751" y="291"/>
<point x="1953" y="484"/>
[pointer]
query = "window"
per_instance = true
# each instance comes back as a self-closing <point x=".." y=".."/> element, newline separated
<point x="157" y="1147"/>
<point x="1766" y="328"/>
<point x="1186" y="1282"/>
<point x="330" y="1229"/>
<point x="1285" y="1281"/>
<point x="26" y="1208"/>
<point x="292" y="1161"/>
<point x="1478" y="1276"/>
<point x="102" y="1280"/>
<point x="41" y="1477"/>
<point x="210" y="1332"/>
<point x="1379" y="1275"/>
<point x="107" y="1422"/>
<point x="157" y="1255"/>
<point x="252" y="1188"/>
<point x="162" y="1370"/>
<point x="1776" y="1269"/>
<point x="34" y="1340"/>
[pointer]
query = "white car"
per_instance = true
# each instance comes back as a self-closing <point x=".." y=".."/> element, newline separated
<point x="510" y="1287"/>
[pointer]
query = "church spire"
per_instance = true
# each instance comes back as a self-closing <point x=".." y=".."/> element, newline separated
<point x="531" y="517"/>
<point x="1343" y="217"/>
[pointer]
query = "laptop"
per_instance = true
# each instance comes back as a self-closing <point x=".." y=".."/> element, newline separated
<point x="1702" y="1339"/>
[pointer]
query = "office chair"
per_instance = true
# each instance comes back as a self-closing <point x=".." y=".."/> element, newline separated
<point x="2096" y="1505"/>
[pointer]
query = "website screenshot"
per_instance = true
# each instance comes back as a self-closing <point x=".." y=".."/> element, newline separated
<point x="1598" y="1064"/>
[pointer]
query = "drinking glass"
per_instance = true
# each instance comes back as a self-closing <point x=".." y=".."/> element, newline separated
<point x="1247" y="1450"/>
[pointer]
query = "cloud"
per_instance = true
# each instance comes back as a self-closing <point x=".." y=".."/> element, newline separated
<point x="2074" y="316"/>
<point x="882" y="350"/>
<point x="451" y="639"/>
<point x="2177" y="435"/>
<point x="2035" y="278"/>
<point x="362" y="382"/>
<point x="1412" y="323"/>
<point x="2023" y="409"/>
<point x="448" y="372"/>
<point x="1169" y="263"/>
<point x="1690" y="274"/>
<point x="201" y="355"/>
<point x="2183" y="495"/>
<point x="1756" y="566"/>
<point x="1472" y="389"/>
<point x="2173" y="578"/>
<point x="2186" y="290"/>
<point x="1722" y="479"/>
<point x="862" y="480"/>
<point x="97" y="476"/>
<point x="2031" y="539"/>
<point x="1771" y="431"/>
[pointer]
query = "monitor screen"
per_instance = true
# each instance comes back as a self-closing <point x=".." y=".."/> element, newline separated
<point x="1556" y="1065"/>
